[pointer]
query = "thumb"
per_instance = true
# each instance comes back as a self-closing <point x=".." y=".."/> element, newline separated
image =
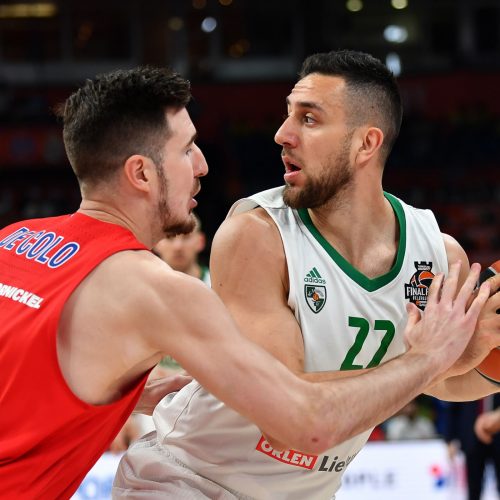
<point x="413" y="318"/>
<point x="414" y="315"/>
<point x="494" y="284"/>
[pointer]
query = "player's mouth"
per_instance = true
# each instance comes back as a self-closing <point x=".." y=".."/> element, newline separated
<point x="292" y="168"/>
<point x="193" y="203"/>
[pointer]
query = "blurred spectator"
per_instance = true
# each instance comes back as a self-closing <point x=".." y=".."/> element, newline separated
<point x="409" y="423"/>
<point x="487" y="425"/>
<point x="459" y="433"/>
<point x="181" y="252"/>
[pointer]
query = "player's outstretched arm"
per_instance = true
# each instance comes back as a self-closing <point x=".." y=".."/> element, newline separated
<point x="311" y="417"/>
<point x="117" y="325"/>
<point x="150" y="311"/>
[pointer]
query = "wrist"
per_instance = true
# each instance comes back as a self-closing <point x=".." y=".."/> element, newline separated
<point x="431" y="367"/>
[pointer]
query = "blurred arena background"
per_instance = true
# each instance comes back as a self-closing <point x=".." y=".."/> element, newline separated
<point x="242" y="57"/>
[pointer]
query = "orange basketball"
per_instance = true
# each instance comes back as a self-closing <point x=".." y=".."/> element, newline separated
<point x="489" y="368"/>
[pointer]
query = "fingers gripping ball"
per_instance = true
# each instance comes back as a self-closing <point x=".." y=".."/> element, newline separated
<point x="489" y="368"/>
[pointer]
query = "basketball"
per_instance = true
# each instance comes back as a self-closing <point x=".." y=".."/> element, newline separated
<point x="489" y="368"/>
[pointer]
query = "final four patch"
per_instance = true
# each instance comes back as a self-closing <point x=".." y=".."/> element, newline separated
<point x="417" y="289"/>
<point x="315" y="294"/>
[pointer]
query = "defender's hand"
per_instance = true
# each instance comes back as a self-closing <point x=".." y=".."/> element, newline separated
<point x="155" y="390"/>
<point x="445" y="328"/>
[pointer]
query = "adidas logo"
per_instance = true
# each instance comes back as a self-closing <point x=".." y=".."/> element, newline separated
<point x="313" y="276"/>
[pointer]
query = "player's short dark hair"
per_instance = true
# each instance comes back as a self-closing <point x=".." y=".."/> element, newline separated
<point x="371" y="89"/>
<point x="119" y="114"/>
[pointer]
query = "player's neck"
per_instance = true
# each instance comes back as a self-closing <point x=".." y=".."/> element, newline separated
<point x="112" y="214"/>
<point x="363" y="229"/>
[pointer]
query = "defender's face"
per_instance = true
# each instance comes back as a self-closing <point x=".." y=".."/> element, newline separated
<point x="181" y="251"/>
<point x="316" y="141"/>
<point x="178" y="176"/>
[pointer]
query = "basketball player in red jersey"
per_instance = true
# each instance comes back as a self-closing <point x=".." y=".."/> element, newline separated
<point x="86" y="310"/>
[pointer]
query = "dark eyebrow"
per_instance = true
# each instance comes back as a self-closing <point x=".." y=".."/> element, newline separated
<point x="307" y="105"/>
<point x="192" y="140"/>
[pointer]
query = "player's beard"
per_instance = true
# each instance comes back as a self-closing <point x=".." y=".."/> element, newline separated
<point x="335" y="176"/>
<point x="171" y="226"/>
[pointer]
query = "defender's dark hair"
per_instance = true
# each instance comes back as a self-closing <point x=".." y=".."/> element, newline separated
<point x="117" y="115"/>
<point x="371" y="89"/>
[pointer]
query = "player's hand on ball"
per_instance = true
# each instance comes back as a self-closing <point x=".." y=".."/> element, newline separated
<point x="486" y="336"/>
<point x="488" y="327"/>
<point x="489" y="320"/>
<point x="482" y="346"/>
<point x="446" y="326"/>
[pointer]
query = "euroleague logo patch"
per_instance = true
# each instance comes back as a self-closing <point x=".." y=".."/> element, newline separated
<point x="417" y="289"/>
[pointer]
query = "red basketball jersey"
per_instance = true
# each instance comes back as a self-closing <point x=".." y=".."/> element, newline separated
<point x="49" y="438"/>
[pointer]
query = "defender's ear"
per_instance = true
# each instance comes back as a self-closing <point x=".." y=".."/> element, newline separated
<point x="138" y="171"/>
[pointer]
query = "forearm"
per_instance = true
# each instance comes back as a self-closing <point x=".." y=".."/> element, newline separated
<point x="358" y="403"/>
<point x="467" y="387"/>
<point x="331" y="375"/>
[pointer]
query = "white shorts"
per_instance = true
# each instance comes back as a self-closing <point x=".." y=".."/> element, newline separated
<point x="149" y="470"/>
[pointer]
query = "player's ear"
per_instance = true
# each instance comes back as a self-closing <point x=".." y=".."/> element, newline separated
<point x="138" y="170"/>
<point x="369" y="143"/>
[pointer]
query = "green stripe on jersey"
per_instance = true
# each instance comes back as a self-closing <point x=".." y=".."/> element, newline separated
<point x="369" y="284"/>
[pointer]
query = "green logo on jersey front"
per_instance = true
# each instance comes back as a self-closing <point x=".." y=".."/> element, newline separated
<point x="313" y="276"/>
<point x="315" y="292"/>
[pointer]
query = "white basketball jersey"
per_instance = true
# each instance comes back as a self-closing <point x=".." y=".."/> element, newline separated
<point x="348" y="321"/>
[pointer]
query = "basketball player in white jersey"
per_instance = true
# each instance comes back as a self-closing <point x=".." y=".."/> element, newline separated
<point x="320" y="273"/>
